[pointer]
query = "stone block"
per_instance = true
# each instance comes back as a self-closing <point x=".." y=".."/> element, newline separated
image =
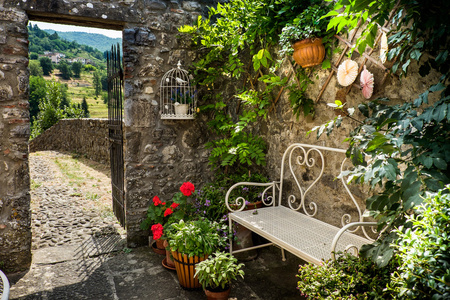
<point x="6" y="92"/>
<point x="129" y="36"/>
<point x="191" y="5"/>
<point x="155" y="5"/>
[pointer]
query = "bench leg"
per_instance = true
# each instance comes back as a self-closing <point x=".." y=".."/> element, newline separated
<point x="283" y="256"/>
<point x="230" y="234"/>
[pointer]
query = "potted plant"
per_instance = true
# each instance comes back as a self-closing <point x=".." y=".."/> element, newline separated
<point x="182" y="98"/>
<point x="216" y="273"/>
<point x="305" y="35"/>
<point x="192" y="242"/>
<point x="161" y="214"/>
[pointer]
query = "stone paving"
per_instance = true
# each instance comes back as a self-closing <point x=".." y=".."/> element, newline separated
<point x="58" y="214"/>
<point x="81" y="255"/>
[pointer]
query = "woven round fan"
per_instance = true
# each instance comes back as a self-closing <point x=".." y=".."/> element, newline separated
<point x="347" y="72"/>
<point x="366" y="80"/>
<point x="383" y="48"/>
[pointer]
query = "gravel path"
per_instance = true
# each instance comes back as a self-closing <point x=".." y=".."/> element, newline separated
<point x="64" y="212"/>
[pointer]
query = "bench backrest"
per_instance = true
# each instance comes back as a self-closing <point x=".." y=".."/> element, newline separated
<point x="311" y="157"/>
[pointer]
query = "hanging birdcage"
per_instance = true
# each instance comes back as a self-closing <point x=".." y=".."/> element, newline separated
<point x="178" y="95"/>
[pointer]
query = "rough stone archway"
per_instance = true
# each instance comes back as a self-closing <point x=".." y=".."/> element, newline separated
<point x="158" y="155"/>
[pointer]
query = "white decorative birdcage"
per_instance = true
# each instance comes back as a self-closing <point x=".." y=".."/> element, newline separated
<point x="178" y="95"/>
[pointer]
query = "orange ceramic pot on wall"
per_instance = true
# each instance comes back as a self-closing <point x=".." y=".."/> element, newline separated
<point x="309" y="52"/>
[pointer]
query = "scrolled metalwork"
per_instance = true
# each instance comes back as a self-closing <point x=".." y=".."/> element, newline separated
<point x="352" y="248"/>
<point x="304" y="159"/>
<point x="240" y="201"/>
<point x="267" y="200"/>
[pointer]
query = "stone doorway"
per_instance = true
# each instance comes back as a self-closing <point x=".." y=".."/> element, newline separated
<point x="154" y="150"/>
<point x="71" y="203"/>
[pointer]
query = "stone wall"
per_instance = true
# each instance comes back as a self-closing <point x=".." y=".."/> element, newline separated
<point x="88" y="137"/>
<point x="15" y="234"/>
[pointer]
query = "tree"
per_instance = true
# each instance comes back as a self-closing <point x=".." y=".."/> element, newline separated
<point x="34" y="55"/>
<point x="104" y="82"/>
<point x="64" y="68"/>
<point x="54" y="36"/>
<point x="50" y="111"/>
<point x="97" y="83"/>
<point x="35" y="68"/>
<point x="38" y="91"/>
<point x="76" y="69"/>
<point x="85" y="108"/>
<point x="46" y="64"/>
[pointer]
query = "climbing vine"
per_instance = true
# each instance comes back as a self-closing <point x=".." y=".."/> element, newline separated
<point x="237" y="43"/>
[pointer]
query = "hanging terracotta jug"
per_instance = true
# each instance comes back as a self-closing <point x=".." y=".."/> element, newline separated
<point x="309" y="52"/>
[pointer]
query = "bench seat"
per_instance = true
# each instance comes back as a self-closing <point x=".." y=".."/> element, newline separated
<point x="303" y="236"/>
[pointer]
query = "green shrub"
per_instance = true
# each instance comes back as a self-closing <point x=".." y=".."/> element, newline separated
<point x="201" y="237"/>
<point x="424" y="251"/>
<point x="349" y="277"/>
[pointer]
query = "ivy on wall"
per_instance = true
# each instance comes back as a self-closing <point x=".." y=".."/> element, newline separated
<point x="233" y="33"/>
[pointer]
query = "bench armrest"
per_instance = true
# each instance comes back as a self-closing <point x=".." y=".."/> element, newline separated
<point x="239" y="203"/>
<point x="5" y="284"/>
<point x="341" y="232"/>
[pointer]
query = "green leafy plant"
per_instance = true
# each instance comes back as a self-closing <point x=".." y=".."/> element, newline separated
<point x="218" y="271"/>
<point x="236" y="46"/>
<point x="200" y="237"/>
<point x="297" y="95"/>
<point x="349" y="277"/>
<point x="424" y="251"/>
<point x="308" y="24"/>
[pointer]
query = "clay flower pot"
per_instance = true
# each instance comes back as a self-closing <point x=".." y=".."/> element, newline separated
<point x="158" y="247"/>
<point x="168" y="262"/>
<point x="211" y="295"/>
<point x="309" y="52"/>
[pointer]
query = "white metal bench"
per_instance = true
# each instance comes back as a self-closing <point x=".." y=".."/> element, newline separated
<point x="299" y="232"/>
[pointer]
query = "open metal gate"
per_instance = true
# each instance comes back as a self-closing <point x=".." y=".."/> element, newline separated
<point x="115" y="113"/>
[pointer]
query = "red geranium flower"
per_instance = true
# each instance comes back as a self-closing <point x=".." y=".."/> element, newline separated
<point x="174" y="205"/>
<point x="168" y="212"/>
<point x="156" y="201"/>
<point x="187" y="188"/>
<point x="164" y="203"/>
<point x="157" y="230"/>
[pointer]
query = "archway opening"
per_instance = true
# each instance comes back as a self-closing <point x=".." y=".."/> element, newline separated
<point x="70" y="187"/>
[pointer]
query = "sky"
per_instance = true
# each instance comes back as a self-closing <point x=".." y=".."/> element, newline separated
<point x="59" y="27"/>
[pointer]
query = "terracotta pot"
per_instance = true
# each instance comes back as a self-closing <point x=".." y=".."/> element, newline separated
<point x="309" y="52"/>
<point x="217" y="295"/>
<point x="252" y="205"/>
<point x="158" y="247"/>
<point x="185" y="267"/>
<point x="170" y="264"/>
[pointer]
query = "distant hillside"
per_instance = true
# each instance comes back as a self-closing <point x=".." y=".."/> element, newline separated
<point x="42" y="42"/>
<point x="95" y="40"/>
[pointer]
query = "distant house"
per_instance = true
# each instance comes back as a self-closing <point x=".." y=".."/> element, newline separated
<point x="55" y="57"/>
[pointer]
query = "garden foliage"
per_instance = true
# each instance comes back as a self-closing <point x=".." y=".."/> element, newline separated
<point x="424" y="251"/>
<point x="234" y="32"/>
<point x="348" y="277"/>
<point x="401" y="150"/>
